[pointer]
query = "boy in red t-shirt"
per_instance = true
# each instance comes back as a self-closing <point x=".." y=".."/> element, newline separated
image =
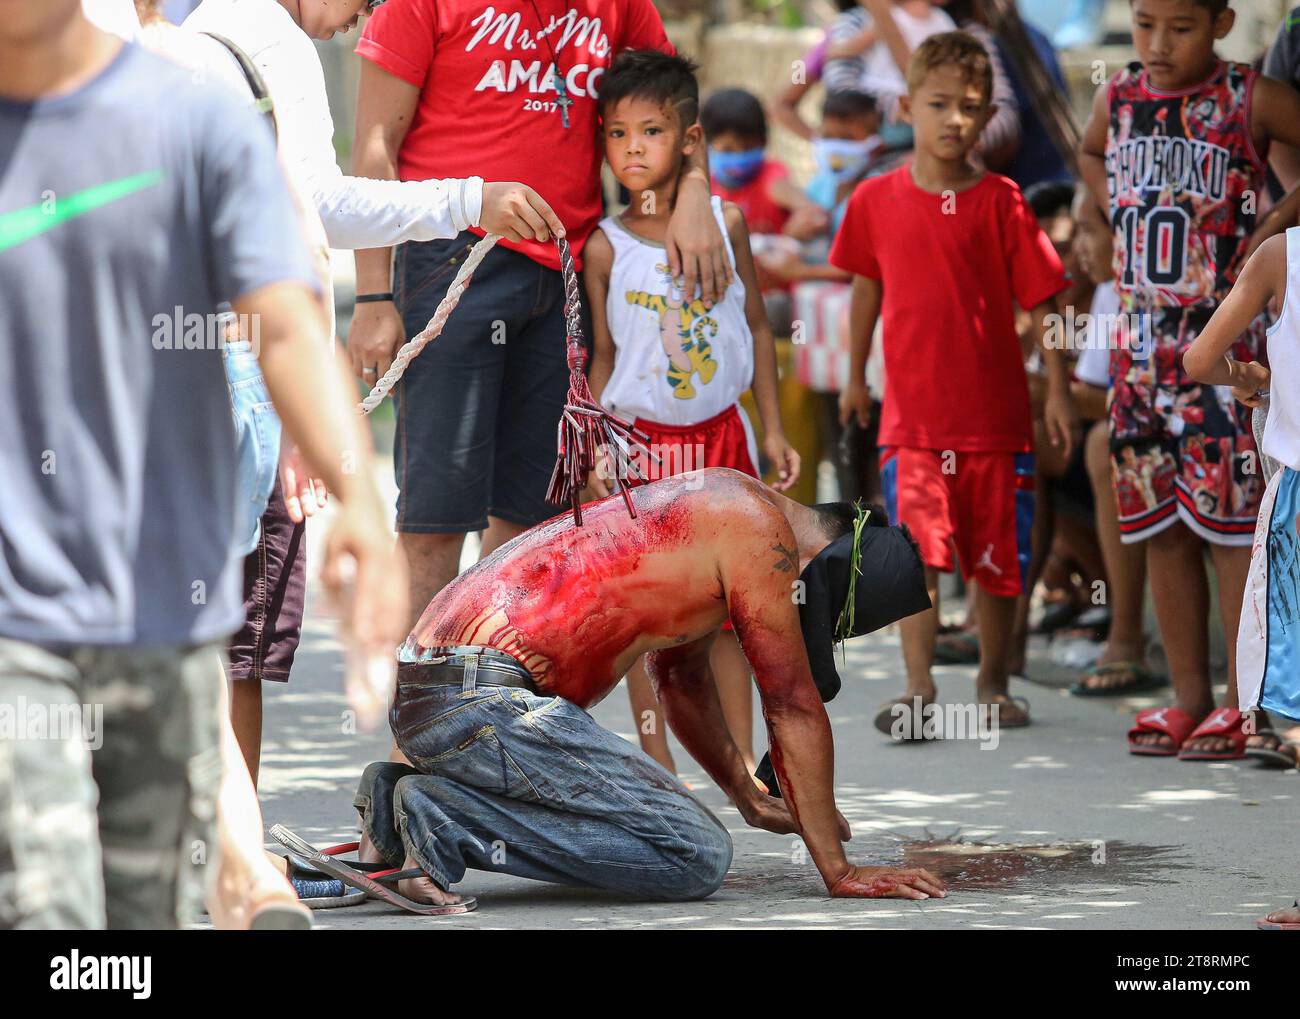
<point x="945" y="251"/>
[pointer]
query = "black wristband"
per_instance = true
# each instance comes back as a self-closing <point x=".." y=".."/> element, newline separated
<point x="369" y="298"/>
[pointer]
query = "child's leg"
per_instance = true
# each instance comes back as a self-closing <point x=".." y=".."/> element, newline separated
<point x="917" y="494"/>
<point x="1181" y="592"/>
<point x="735" y="685"/>
<point x="1126" y="568"/>
<point x="918" y="633"/>
<point x="246" y="720"/>
<point x="997" y="619"/>
<point x="1231" y="564"/>
<point x="648" y="715"/>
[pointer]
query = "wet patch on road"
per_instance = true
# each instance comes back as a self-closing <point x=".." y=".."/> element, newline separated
<point x="971" y="864"/>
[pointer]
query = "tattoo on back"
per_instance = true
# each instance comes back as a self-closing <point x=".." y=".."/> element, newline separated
<point x="789" y="561"/>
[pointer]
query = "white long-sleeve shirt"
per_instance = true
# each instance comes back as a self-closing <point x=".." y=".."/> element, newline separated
<point x="357" y="212"/>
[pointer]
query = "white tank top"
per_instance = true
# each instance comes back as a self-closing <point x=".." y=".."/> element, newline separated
<point x="674" y="363"/>
<point x="1282" y="432"/>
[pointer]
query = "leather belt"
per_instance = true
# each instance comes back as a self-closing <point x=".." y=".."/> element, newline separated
<point x="449" y="665"/>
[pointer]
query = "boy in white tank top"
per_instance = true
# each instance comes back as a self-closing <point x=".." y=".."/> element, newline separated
<point x="666" y="360"/>
<point x="1268" y="640"/>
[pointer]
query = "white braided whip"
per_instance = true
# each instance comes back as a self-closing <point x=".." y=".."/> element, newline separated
<point x="413" y="346"/>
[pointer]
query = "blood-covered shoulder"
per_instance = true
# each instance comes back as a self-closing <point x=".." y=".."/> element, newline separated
<point x="739" y="501"/>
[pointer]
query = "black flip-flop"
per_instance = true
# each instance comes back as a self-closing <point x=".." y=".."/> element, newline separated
<point x="1055" y="617"/>
<point x="1274" y="758"/>
<point x="377" y="883"/>
<point x="961" y="648"/>
<point x="887" y="718"/>
<point x="1146" y="680"/>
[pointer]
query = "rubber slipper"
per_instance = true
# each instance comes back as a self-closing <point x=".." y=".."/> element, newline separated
<point x="887" y="718"/>
<point x="1273" y="756"/>
<point x="304" y="869"/>
<point x="1022" y="703"/>
<point x="376" y="884"/>
<point x="1225" y="722"/>
<point x="1265" y="924"/>
<point x="1056" y="617"/>
<point x="958" y="649"/>
<point x="1145" y="680"/>
<point x="1173" y="722"/>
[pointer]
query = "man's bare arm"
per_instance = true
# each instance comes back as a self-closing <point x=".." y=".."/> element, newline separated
<point x="684" y="683"/>
<point x="759" y="594"/>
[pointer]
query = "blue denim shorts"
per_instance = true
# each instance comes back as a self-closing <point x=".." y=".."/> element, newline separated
<point x="257" y="442"/>
<point x="477" y="411"/>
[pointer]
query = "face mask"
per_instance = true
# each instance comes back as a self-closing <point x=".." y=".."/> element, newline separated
<point x="843" y="160"/>
<point x="735" y="169"/>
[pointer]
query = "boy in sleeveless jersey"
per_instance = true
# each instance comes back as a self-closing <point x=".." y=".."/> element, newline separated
<point x="1176" y="142"/>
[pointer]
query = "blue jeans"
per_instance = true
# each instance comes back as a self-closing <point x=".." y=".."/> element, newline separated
<point x="257" y="442"/>
<point x="521" y="784"/>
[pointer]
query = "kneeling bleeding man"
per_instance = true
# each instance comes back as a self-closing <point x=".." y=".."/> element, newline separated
<point x="515" y="777"/>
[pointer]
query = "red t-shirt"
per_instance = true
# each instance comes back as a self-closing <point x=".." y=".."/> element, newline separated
<point x="762" y="215"/>
<point x="487" y="94"/>
<point x="952" y="270"/>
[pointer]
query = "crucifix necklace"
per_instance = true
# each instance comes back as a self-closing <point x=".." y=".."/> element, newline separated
<point x="562" y="99"/>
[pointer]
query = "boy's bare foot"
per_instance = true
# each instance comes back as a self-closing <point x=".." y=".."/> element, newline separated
<point x="424" y="888"/>
<point x="1287" y="916"/>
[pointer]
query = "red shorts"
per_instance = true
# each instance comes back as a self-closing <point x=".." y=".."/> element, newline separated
<point x="980" y="503"/>
<point x="719" y="441"/>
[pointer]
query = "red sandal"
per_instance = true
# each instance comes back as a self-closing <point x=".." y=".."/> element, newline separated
<point x="1175" y="723"/>
<point x="1224" y="722"/>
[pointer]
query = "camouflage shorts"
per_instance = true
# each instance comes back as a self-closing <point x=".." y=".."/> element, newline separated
<point x="134" y="731"/>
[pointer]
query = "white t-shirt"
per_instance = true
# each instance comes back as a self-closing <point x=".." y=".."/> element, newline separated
<point x="880" y="74"/>
<point x="358" y="212"/>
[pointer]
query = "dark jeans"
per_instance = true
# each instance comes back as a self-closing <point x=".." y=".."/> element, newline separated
<point x="478" y="409"/>
<point x="527" y="785"/>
